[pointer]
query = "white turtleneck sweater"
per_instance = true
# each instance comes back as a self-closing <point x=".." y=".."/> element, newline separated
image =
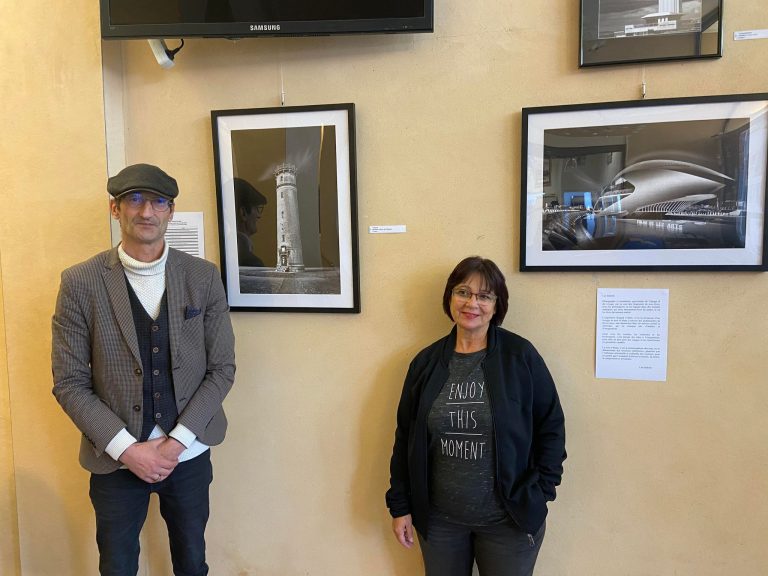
<point x="148" y="282"/>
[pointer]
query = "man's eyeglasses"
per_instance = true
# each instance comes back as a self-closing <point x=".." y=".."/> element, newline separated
<point x="137" y="200"/>
<point x="463" y="294"/>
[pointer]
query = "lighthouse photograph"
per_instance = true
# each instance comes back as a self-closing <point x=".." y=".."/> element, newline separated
<point x="286" y="190"/>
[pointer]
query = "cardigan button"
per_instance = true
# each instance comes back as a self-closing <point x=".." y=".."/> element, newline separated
<point x="137" y="371"/>
<point x="137" y="408"/>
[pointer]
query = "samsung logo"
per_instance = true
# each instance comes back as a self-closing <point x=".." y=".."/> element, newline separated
<point x="265" y="27"/>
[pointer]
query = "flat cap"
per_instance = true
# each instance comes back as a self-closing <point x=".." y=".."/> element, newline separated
<point x="142" y="177"/>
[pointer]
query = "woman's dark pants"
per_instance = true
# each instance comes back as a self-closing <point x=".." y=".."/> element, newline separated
<point x="499" y="550"/>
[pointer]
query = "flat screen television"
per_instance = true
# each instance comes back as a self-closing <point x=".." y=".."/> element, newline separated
<point x="251" y="18"/>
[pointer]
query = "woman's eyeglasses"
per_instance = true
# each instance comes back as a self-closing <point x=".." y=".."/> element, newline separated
<point x="464" y="294"/>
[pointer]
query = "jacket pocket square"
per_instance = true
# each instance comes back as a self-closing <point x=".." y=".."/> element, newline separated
<point x="190" y="312"/>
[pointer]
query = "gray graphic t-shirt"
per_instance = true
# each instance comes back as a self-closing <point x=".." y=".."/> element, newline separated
<point x="461" y="447"/>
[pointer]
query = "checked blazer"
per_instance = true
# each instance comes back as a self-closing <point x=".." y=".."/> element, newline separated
<point x="97" y="368"/>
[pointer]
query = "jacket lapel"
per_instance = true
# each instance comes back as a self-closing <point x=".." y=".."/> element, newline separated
<point x="174" y="285"/>
<point x="114" y="279"/>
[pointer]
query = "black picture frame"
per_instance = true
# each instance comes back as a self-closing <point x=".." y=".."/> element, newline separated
<point x="668" y="184"/>
<point x="286" y="189"/>
<point x="624" y="32"/>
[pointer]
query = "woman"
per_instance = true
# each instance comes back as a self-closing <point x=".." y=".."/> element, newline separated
<point x="480" y="438"/>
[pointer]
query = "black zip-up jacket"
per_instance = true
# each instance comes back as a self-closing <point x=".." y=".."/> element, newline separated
<point x="528" y="427"/>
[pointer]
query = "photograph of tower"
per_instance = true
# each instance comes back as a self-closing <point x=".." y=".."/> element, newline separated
<point x="296" y="238"/>
<point x="630" y="18"/>
<point x="289" y="254"/>
<point x="287" y="197"/>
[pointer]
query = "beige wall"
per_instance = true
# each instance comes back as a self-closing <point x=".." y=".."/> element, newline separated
<point x="52" y="166"/>
<point x="662" y="478"/>
<point x="9" y="534"/>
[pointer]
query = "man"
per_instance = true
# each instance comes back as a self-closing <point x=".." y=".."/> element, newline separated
<point x="143" y="356"/>
<point x="249" y="206"/>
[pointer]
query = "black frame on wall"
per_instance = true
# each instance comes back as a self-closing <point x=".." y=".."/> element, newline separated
<point x="620" y="32"/>
<point x="668" y="184"/>
<point x="286" y="188"/>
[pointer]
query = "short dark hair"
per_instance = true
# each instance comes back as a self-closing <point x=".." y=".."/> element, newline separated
<point x="246" y="196"/>
<point x="493" y="280"/>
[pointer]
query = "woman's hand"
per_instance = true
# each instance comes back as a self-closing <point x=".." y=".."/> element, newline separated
<point x="403" y="530"/>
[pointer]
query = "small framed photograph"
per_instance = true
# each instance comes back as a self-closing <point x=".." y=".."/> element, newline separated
<point x="287" y="203"/>
<point x="626" y="31"/>
<point x="675" y="184"/>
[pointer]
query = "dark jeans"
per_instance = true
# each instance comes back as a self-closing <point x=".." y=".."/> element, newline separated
<point x="499" y="550"/>
<point x="121" y="500"/>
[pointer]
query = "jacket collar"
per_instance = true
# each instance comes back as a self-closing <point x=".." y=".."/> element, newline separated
<point x="449" y="343"/>
<point x="114" y="278"/>
<point x="112" y="259"/>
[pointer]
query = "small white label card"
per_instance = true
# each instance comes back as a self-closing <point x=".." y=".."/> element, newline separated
<point x="750" y="34"/>
<point x="394" y="229"/>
